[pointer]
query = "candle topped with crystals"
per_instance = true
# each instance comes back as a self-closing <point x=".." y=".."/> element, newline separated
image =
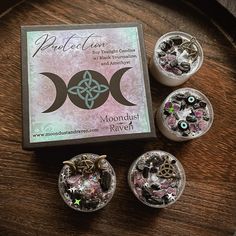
<point x="87" y="182"/>
<point x="177" y="56"/>
<point x="185" y="114"/>
<point x="157" y="179"/>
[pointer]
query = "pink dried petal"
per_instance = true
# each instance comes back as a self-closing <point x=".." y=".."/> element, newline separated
<point x="159" y="193"/>
<point x="176" y="71"/>
<point x="171" y="57"/>
<point x="138" y="191"/>
<point x="176" y="107"/>
<point x="171" y="190"/>
<point x="139" y="180"/>
<point x="202" y="125"/>
<point x="199" y="113"/>
<point x="163" y="61"/>
<point x="193" y="128"/>
<point x="138" y="175"/>
<point x="165" y="185"/>
<point x="171" y="120"/>
<point x="168" y="105"/>
<point x="168" y="68"/>
<point x="74" y="179"/>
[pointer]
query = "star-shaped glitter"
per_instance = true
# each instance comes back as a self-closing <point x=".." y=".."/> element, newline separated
<point x="77" y="202"/>
<point x="72" y="190"/>
<point x="63" y="179"/>
<point x="171" y="197"/>
<point x="63" y="176"/>
<point x="81" y="188"/>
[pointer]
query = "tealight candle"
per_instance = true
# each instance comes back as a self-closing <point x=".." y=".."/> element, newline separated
<point x="157" y="179"/>
<point x="87" y="182"/>
<point x="185" y="114"/>
<point x="177" y="56"/>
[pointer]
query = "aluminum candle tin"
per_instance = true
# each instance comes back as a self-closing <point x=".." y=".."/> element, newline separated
<point x="177" y="56"/>
<point x="185" y="114"/>
<point x="87" y="182"/>
<point x="157" y="179"/>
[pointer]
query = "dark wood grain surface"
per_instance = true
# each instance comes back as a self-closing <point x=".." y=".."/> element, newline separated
<point x="29" y="200"/>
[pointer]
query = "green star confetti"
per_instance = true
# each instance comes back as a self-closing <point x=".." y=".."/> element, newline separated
<point x="171" y="109"/>
<point x="77" y="202"/>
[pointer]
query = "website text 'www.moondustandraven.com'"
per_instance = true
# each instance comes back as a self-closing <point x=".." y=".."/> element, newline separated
<point x="82" y="131"/>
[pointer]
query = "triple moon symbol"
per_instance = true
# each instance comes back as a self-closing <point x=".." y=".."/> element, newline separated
<point x="87" y="89"/>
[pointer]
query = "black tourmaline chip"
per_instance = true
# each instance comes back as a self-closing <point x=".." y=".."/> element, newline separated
<point x="202" y="104"/>
<point x="90" y="204"/>
<point x="161" y="54"/>
<point x="154" y="201"/>
<point x="174" y="128"/>
<point x="153" y="159"/>
<point x="94" y="203"/>
<point x="174" y="63"/>
<point x="155" y="187"/>
<point x="180" y="96"/>
<point x="164" y="46"/>
<point x="75" y="195"/>
<point x="153" y="170"/>
<point x="191" y="118"/>
<point x="157" y="161"/>
<point x="170" y="42"/>
<point x="185" y="134"/>
<point x="177" y="40"/>
<point x="183" y="105"/>
<point x="105" y="180"/>
<point x="145" y="172"/>
<point x="192" y="113"/>
<point x="145" y="193"/>
<point x="196" y="106"/>
<point x="166" y="113"/>
<point x="206" y="118"/>
<point x="165" y="199"/>
<point x="176" y="116"/>
<point x="184" y="66"/>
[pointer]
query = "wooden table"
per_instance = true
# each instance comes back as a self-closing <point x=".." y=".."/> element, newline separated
<point x="29" y="200"/>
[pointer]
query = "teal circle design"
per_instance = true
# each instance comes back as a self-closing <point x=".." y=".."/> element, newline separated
<point x="88" y="89"/>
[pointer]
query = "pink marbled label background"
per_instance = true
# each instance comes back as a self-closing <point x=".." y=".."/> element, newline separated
<point x="69" y="117"/>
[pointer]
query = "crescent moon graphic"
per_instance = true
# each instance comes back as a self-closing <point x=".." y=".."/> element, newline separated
<point x="115" y="87"/>
<point x="61" y="91"/>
